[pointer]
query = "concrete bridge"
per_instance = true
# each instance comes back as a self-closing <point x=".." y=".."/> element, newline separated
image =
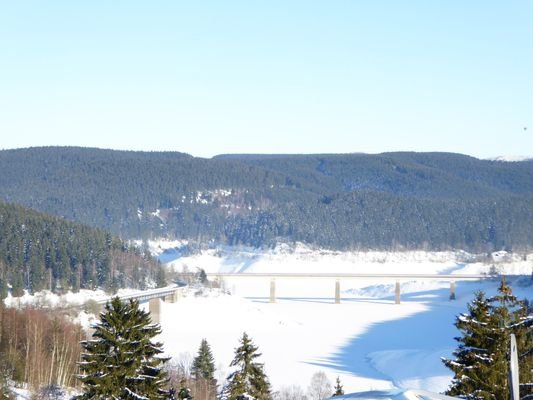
<point x="172" y="294"/>
<point x="169" y="294"/>
<point x="452" y="278"/>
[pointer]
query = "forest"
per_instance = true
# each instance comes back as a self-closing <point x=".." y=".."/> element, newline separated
<point x="39" y="251"/>
<point x="388" y="201"/>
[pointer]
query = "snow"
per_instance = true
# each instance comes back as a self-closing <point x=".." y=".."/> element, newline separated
<point x="511" y="158"/>
<point x="367" y="340"/>
<point x="370" y="342"/>
<point x="48" y="299"/>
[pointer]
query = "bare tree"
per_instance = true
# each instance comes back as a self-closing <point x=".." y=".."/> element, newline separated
<point x="179" y="369"/>
<point x="320" y="386"/>
<point x="38" y="348"/>
<point x="292" y="392"/>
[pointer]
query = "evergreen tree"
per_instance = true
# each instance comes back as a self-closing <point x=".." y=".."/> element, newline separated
<point x="249" y="378"/>
<point x="184" y="392"/>
<point x="472" y="364"/>
<point x="481" y="363"/>
<point x="204" y="364"/>
<point x="201" y="276"/>
<point x="338" y="389"/>
<point x="122" y="361"/>
<point x="203" y="369"/>
<point x="512" y="316"/>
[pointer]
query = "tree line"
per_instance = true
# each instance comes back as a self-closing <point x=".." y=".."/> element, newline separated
<point x="386" y="201"/>
<point x="39" y="251"/>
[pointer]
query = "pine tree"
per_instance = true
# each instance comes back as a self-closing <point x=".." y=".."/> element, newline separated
<point x="481" y="360"/>
<point x="203" y="370"/>
<point x="249" y="378"/>
<point x="338" y="390"/>
<point x="121" y="361"/>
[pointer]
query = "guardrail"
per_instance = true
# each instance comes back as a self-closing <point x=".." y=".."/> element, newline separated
<point x="145" y="295"/>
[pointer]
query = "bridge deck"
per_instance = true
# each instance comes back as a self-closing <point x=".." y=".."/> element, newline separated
<point x="340" y="275"/>
<point x="145" y="294"/>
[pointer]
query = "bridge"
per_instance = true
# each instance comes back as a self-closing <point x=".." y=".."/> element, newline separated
<point x="452" y="278"/>
<point x="173" y="293"/>
<point x="169" y="294"/>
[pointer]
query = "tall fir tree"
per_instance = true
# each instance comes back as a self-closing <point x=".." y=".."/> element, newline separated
<point x="472" y="364"/>
<point x="122" y="361"/>
<point x="481" y="363"/>
<point x="203" y="370"/>
<point x="249" y="379"/>
<point x="513" y="316"/>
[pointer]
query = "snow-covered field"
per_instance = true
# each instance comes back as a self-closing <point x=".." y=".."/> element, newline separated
<point x="368" y="341"/>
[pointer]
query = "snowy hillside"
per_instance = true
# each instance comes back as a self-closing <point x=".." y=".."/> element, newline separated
<point x="367" y="340"/>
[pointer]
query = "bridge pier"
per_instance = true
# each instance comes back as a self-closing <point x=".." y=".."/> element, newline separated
<point x="452" y="278"/>
<point x="452" y="290"/>
<point x="173" y="297"/>
<point x="337" y="291"/>
<point x="154" y="306"/>
<point x="397" y="293"/>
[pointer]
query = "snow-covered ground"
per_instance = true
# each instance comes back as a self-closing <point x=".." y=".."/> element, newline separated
<point x="370" y="342"/>
<point x="48" y="299"/>
<point x="367" y="340"/>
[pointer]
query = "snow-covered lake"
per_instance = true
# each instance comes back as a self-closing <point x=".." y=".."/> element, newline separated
<point x="370" y="342"/>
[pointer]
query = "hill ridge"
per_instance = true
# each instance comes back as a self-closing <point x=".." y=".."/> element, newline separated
<point x="390" y="200"/>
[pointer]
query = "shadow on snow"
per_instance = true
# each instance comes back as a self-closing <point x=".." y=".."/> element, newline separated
<point x="427" y="331"/>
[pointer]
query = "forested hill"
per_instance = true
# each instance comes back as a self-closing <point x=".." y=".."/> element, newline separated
<point x="385" y="201"/>
<point x="38" y="252"/>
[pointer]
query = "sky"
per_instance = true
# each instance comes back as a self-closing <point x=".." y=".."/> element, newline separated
<point x="287" y="76"/>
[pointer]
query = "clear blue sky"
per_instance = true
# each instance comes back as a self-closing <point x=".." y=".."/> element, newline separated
<point x="211" y="77"/>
